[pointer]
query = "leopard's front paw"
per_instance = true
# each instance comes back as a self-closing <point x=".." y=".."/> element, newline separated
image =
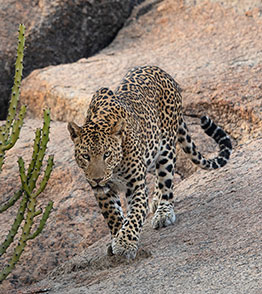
<point x="125" y="245"/>
<point x="164" y="216"/>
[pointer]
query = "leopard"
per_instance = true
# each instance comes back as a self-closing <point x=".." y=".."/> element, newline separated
<point x="133" y="131"/>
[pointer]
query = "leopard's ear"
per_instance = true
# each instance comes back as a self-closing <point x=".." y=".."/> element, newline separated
<point x="74" y="130"/>
<point x="118" y="128"/>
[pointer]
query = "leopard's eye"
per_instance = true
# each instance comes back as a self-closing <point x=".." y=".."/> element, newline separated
<point x="86" y="156"/>
<point x="107" y="154"/>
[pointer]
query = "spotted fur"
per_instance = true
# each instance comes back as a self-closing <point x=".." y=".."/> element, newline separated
<point x="129" y="133"/>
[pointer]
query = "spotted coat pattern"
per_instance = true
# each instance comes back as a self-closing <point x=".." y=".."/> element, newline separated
<point x="129" y="133"/>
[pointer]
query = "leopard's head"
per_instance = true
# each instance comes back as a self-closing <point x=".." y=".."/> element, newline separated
<point x="98" y="150"/>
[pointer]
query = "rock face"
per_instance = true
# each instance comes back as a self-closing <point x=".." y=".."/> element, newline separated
<point x="214" y="52"/>
<point x="56" y="32"/>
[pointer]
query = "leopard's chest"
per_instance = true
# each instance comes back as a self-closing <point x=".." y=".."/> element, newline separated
<point x="118" y="182"/>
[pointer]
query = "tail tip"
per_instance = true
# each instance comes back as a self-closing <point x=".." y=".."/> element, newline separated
<point x="205" y="120"/>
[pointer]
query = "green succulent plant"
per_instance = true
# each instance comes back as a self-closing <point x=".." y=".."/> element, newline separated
<point x="31" y="187"/>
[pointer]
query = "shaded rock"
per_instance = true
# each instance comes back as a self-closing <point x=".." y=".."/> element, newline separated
<point x="56" y="32"/>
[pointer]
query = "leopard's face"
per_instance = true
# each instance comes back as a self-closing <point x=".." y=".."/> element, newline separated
<point x="97" y="153"/>
<point x="98" y="159"/>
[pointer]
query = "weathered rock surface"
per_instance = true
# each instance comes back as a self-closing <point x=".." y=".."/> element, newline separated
<point x="215" y="247"/>
<point x="56" y="32"/>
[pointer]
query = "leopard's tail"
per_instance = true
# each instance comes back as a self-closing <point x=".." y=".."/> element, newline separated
<point x="215" y="132"/>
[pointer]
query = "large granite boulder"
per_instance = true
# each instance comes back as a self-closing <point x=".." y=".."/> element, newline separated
<point x="56" y="32"/>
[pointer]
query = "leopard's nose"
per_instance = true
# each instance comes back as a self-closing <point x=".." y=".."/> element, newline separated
<point x="98" y="180"/>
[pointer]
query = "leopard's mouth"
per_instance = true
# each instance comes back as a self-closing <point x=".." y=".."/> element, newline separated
<point x="99" y="184"/>
<point x="100" y="189"/>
